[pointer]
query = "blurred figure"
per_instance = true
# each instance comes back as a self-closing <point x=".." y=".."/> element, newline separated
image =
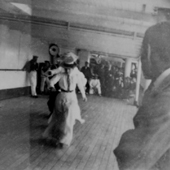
<point x="133" y="73"/>
<point x="44" y="76"/>
<point x="78" y="64"/>
<point x="86" y="70"/>
<point x="32" y="67"/>
<point x="147" y="146"/>
<point x="54" y="69"/>
<point x="118" y="82"/>
<point x="127" y="88"/>
<point x="95" y="86"/>
<point x="108" y="80"/>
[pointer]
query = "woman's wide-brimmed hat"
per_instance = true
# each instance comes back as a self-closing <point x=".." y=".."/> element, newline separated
<point x="69" y="60"/>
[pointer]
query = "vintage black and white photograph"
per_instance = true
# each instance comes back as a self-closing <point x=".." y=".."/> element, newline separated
<point x="84" y="84"/>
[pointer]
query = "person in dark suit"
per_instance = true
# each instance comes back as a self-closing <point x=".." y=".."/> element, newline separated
<point x="87" y="71"/>
<point x="44" y="77"/>
<point x="147" y="146"/>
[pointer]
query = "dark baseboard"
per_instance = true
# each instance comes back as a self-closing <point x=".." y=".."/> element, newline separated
<point x="12" y="93"/>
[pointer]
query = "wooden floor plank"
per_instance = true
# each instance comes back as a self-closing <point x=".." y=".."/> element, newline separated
<point x="103" y="142"/>
<point x="22" y="124"/>
<point x="99" y="159"/>
<point x="72" y="151"/>
<point x="74" y="146"/>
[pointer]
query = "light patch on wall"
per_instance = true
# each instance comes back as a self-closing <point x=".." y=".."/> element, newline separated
<point x="23" y="7"/>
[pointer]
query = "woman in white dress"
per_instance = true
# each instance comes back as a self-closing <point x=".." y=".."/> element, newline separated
<point x="66" y="109"/>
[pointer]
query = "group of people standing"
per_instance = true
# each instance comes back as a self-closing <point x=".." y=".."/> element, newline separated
<point x="108" y="80"/>
<point x="37" y="75"/>
<point x="112" y="79"/>
<point x="93" y="84"/>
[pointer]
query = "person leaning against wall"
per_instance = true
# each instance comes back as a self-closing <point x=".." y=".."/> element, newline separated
<point x="31" y="67"/>
<point x="147" y="146"/>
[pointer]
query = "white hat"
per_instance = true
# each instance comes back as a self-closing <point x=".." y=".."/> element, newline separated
<point x="69" y="60"/>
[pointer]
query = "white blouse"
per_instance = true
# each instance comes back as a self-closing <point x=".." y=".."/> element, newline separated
<point x="75" y="78"/>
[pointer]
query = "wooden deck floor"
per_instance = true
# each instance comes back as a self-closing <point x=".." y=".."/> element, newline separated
<point x="22" y="122"/>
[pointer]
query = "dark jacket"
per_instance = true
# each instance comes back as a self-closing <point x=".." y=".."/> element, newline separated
<point x="147" y="146"/>
<point x="87" y="72"/>
<point x="33" y="65"/>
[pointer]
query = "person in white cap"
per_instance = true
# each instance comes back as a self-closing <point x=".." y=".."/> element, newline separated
<point x="95" y="85"/>
<point x="66" y="109"/>
<point x="31" y="67"/>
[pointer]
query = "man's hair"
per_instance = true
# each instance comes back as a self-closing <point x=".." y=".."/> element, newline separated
<point x="164" y="12"/>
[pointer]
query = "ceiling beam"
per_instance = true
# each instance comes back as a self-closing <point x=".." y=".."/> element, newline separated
<point x="94" y="13"/>
<point x="112" y="45"/>
<point x="59" y="23"/>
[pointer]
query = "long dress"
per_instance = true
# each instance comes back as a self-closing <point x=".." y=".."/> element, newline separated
<point x="66" y="110"/>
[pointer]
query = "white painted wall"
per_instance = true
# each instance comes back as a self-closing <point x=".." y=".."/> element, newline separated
<point x="65" y="49"/>
<point x="16" y="48"/>
<point x="13" y="79"/>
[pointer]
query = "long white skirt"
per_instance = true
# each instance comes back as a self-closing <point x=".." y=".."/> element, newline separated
<point x="66" y="112"/>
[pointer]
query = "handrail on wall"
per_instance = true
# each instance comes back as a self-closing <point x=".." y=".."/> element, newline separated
<point x="11" y="70"/>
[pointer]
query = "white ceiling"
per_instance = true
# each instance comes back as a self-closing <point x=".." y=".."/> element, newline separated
<point x="115" y="27"/>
